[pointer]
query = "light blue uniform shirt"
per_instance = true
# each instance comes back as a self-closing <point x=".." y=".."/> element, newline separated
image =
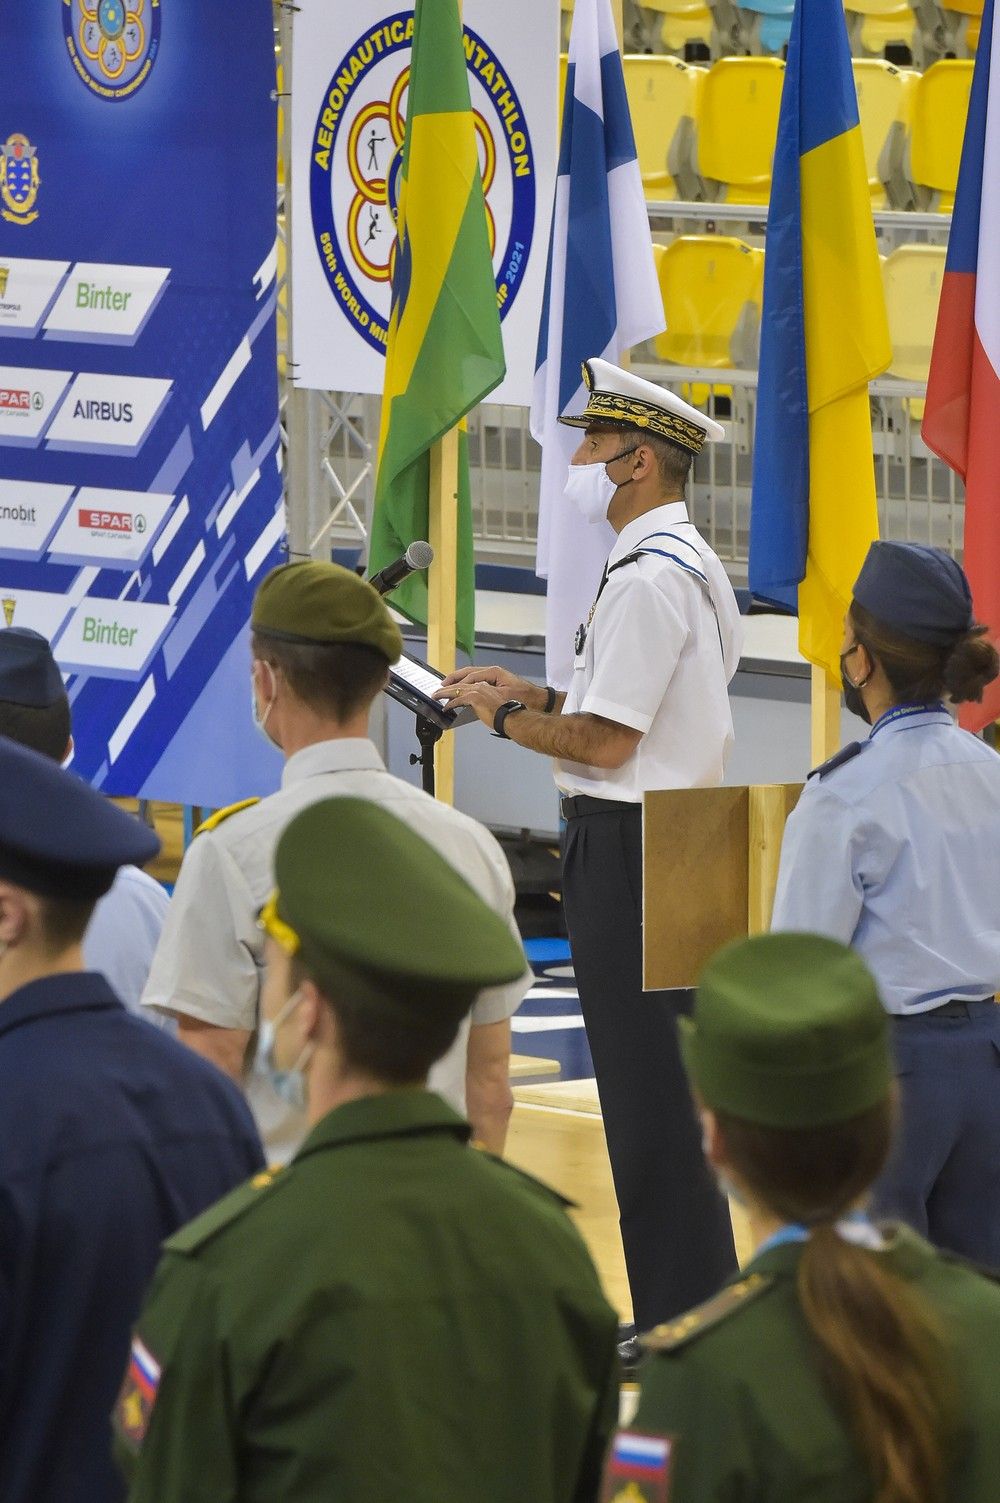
<point x="124" y="931"/>
<point x="897" y="853"/>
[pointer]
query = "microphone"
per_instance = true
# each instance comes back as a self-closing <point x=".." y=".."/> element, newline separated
<point x="418" y="556"/>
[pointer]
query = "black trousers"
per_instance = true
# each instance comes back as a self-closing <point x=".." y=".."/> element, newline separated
<point x="675" y="1225"/>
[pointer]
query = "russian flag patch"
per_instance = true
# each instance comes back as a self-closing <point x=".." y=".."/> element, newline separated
<point x="638" y="1469"/>
<point x="138" y="1395"/>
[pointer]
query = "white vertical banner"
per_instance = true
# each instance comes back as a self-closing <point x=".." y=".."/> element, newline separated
<point x="350" y="72"/>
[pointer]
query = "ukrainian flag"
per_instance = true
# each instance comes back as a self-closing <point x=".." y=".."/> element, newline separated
<point x="824" y="337"/>
<point x="445" y="351"/>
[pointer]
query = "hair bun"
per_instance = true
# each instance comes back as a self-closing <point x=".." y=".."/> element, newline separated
<point x="971" y="664"/>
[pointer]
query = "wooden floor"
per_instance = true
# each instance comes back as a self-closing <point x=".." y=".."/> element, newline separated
<point x="567" y="1150"/>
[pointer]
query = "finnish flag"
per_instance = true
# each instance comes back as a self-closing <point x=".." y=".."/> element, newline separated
<point x="601" y="297"/>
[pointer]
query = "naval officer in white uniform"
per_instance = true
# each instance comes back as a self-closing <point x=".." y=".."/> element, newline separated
<point x="648" y="708"/>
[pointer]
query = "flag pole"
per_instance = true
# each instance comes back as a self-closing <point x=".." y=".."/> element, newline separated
<point x="442" y="582"/>
<point x="825" y="716"/>
<point x="442" y="589"/>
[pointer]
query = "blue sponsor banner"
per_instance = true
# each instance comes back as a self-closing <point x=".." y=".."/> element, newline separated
<point x="140" y="471"/>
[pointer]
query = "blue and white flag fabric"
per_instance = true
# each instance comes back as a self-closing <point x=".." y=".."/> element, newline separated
<point x="601" y="297"/>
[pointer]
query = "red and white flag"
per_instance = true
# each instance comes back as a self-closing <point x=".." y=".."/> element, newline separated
<point x="962" y="416"/>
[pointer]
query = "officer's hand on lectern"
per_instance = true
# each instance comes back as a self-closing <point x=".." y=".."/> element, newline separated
<point x="510" y="685"/>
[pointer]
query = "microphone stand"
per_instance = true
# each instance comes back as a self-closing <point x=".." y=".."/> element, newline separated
<point x="428" y="734"/>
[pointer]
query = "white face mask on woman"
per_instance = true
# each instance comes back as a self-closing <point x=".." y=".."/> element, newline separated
<point x="591" y="489"/>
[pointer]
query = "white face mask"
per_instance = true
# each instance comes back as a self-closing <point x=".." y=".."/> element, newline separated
<point x="590" y="488"/>
<point x="290" y="1085"/>
<point x="259" y="720"/>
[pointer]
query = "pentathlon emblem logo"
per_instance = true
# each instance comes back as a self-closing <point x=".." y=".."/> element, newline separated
<point x="19" y="180"/>
<point x="113" y="44"/>
<point x="9" y="607"/>
<point x="4" y="279"/>
<point x="357" y="164"/>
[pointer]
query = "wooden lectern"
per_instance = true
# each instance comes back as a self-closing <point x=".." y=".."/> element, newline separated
<point x="710" y="865"/>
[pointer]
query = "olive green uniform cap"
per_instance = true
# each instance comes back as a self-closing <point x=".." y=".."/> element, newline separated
<point x="321" y="603"/>
<point x="788" y="1031"/>
<point x="366" y="901"/>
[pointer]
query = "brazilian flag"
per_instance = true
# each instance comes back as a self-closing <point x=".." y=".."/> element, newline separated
<point x="445" y="351"/>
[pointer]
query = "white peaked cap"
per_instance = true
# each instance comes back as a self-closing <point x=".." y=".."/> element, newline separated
<point x="619" y="398"/>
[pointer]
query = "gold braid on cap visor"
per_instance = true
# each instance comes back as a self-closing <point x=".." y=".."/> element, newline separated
<point x="283" y="934"/>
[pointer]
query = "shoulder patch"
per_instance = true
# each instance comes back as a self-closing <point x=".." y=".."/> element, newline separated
<point x="230" y="1208"/>
<point x="677" y="1333"/>
<point x="846" y="754"/>
<point x="134" y="1407"/>
<point x="221" y="815"/>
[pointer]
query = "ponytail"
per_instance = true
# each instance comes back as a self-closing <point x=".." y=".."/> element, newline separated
<point x="882" y="1354"/>
<point x="883" y="1358"/>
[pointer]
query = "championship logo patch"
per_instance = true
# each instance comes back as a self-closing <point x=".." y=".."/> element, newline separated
<point x="19" y="180"/>
<point x="135" y="1402"/>
<point x="112" y="43"/>
<point x="638" y="1469"/>
<point x="357" y="160"/>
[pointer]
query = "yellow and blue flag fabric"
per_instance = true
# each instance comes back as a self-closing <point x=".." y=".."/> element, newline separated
<point x="445" y="350"/>
<point x="824" y="337"/>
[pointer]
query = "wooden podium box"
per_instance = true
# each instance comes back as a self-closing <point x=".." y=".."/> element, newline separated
<point x="710" y="865"/>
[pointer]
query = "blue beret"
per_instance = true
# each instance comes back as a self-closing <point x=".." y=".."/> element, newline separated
<point x="28" y="671"/>
<point x="59" y="838"/>
<point x="920" y="592"/>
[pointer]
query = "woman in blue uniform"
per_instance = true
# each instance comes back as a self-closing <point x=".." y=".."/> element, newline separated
<point x="895" y="849"/>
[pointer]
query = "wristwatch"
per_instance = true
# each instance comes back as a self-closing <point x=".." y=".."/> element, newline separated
<point x="500" y="718"/>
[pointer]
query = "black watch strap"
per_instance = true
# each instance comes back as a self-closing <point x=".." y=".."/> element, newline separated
<point x="500" y="718"/>
<point x="550" y="699"/>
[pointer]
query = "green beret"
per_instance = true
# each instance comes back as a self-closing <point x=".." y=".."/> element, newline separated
<point x="321" y="603"/>
<point x="363" y="898"/>
<point x="788" y="1031"/>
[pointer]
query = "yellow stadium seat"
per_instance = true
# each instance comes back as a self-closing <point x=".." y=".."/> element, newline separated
<point x="879" y="24"/>
<point x="683" y="21"/>
<point x="885" y="99"/>
<point x="712" y="289"/>
<point x="738" y="124"/>
<point x="912" y="277"/>
<point x="969" y="15"/>
<point x="663" y="96"/>
<point x="940" y="105"/>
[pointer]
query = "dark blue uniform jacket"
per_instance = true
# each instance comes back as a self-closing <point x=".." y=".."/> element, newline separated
<point x="111" y="1136"/>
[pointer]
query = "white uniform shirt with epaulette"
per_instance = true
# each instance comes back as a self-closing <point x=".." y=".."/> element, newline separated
<point x="208" y="964"/>
<point x="663" y="643"/>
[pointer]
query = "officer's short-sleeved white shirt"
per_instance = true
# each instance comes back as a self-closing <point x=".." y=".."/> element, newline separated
<point x="208" y="964"/>
<point x="663" y="644"/>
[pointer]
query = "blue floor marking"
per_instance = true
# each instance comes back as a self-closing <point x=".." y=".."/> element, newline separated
<point x="554" y="995"/>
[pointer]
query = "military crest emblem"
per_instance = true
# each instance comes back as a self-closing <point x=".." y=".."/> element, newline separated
<point x="9" y="607"/>
<point x="4" y="279"/>
<point x="113" y="44"/>
<point x="19" y="180"/>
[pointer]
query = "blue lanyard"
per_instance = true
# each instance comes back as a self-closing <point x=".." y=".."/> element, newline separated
<point x="905" y="712"/>
<point x="856" y="1225"/>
